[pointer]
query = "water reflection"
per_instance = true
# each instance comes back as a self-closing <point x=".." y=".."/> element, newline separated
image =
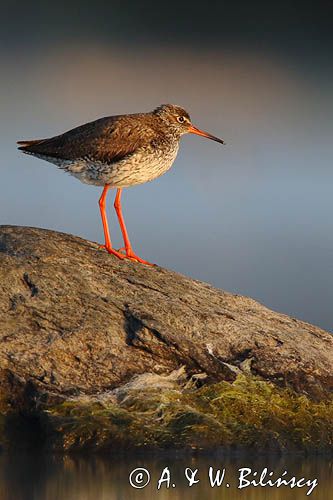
<point x="50" y="477"/>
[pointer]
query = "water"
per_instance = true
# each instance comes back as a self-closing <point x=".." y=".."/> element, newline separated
<point x="55" y="477"/>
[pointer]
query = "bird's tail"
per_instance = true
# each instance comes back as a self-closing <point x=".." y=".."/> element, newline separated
<point x="25" y="145"/>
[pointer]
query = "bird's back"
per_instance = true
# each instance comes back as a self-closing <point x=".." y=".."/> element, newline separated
<point x="107" y="139"/>
<point x="120" y="150"/>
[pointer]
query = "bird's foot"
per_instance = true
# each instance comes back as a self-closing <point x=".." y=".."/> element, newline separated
<point x="129" y="254"/>
<point x="112" y="251"/>
<point x="122" y="254"/>
<point x="135" y="258"/>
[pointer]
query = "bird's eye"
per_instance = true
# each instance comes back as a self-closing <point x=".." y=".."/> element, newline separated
<point x="180" y="119"/>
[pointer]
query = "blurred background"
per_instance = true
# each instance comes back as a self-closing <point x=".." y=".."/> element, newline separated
<point x="253" y="217"/>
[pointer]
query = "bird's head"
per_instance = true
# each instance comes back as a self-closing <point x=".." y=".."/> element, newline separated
<point x="180" y="122"/>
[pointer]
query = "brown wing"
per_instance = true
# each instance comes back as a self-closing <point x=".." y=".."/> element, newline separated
<point x="107" y="140"/>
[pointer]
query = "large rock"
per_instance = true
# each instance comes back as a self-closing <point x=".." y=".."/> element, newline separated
<point x="78" y="324"/>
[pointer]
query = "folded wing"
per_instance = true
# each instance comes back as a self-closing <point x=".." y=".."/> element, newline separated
<point x="106" y="140"/>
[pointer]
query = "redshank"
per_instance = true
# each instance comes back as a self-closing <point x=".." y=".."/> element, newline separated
<point x="117" y="152"/>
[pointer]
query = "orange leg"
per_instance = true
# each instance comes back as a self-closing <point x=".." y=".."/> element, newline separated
<point x="128" y="247"/>
<point x="108" y="244"/>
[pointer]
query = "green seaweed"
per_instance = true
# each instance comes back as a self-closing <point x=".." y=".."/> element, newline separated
<point x="247" y="413"/>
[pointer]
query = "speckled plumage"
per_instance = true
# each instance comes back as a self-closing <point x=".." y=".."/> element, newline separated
<point x="118" y="150"/>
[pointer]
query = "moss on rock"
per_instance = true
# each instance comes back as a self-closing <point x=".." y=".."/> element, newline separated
<point x="246" y="413"/>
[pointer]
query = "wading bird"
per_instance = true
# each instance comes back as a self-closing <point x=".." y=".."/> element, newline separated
<point x="118" y="152"/>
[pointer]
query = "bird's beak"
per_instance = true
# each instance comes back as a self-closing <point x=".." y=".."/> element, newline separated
<point x="197" y="131"/>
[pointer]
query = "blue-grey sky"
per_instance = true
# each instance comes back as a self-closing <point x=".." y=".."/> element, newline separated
<point x="253" y="217"/>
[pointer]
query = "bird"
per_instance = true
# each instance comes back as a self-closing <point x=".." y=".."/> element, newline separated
<point x="118" y="152"/>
